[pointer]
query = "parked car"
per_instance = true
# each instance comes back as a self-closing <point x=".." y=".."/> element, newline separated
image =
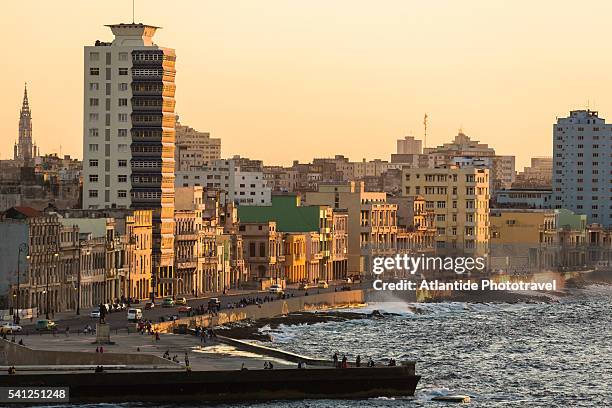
<point x="134" y="314"/>
<point x="149" y="305"/>
<point x="95" y="314"/>
<point x="322" y="285"/>
<point x="10" y="328"/>
<point x="45" y="324"/>
<point x="214" y="304"/>
<point x="184" y="309"/>
<point x="347" y="280"/>
<point x="275" y="289"/>
<point x="180" y="301"/>
<point x="168" y="302"/>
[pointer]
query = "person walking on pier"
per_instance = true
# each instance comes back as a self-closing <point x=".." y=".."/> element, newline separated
<point x="335" y="358"/>
<point x="358" y="361"/>
<point x="344" y="362"/>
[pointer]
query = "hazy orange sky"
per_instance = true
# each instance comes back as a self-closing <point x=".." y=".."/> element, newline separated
<point x="282" y="79"/>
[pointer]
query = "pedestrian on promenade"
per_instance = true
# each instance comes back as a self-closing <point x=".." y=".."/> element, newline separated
<point x="67" y="330"/>
<point x="157" y="336"/>
<point x="344" y="362"/>
<point x="335" y="358"/>
<point x="97" y="349"/>
<point x="101" y="349"/>
<point x="21" y="342"/>
<point x="358" y="361"/>
<point x="370" y="362"/>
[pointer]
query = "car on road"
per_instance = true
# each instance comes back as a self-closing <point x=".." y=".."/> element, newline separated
<point x="184" y="309"/>
<point x="134" y="314"/>
<point x="304" y="286"/>
<point x="180" y="301"/>
<point x="168" y="302"/>
<point x="149" y="305"/>
<point x="275" y="289"/>
<point x="214" y="304"/>
<point x="347" y="280"/>
<point x="10" y="328"/>
<point x="322" y="285"/>
<point x="95" y="314"/>
<point x="45" y="324"/>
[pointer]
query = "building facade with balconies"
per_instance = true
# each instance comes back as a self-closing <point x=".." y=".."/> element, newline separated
<point x="459" y="199"/>
<point x="129" y="135"/>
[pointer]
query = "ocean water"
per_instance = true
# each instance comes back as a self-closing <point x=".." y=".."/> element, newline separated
<point x="501" y="355"/>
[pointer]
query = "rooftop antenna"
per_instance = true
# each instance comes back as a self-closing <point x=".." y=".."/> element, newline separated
<point x="133" y="19"/>
<point x="425" y="131"/>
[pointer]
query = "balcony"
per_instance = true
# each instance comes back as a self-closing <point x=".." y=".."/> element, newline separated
<point x="186" y="236"/>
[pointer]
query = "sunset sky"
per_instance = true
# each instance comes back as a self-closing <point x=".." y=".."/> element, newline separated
<point x="284" y="79"/>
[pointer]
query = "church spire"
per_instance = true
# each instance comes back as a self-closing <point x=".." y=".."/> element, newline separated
<point x="25" y="107"/>
<point x="25" y="151"/>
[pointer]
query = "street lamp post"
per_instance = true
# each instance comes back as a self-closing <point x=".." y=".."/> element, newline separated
<point x="55" y="258"/>
<point x="23" y="247"/>
<point x="130" y="254"/>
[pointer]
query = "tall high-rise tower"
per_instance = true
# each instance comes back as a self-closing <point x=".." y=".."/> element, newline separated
<point x="129" y="134"/>
<point x="24" y="149"/>
<point x="582" y="165"/>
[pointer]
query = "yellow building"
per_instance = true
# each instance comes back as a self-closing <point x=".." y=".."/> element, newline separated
<point x="459" y="197"/>
<point x="139" y="240"/>
<point x="295" y="257"/>
<point x="371" y="222"/>
<point x="523" y="239"/>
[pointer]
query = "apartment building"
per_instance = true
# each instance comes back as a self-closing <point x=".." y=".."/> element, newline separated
<point x="241" y="179"/>
<point x="523" y="240"/>
<point x="291" y="216"/>
<point x="459" y="197"/>
<point x="537" y="175"/>
<point x="371" y="221"/>
<point x="522" y="198"/>
<point x="409" y="145"/>
<point x="128" y="134"/>
<point x="263" y="251"/>
<point x="194" y="148"/>
<point x="582" y="168"/>
<point x="464" y="151"/>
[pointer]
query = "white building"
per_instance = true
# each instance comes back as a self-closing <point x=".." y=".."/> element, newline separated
<point x="245" y="185"/>
<point x="128" y="134"/>
<point x="582" y="178"/>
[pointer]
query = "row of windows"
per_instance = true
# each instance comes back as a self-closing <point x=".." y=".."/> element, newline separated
<point x="95" y="56"/>
<point x="121" y="148"/>
<point x="120" y="163"/>
<point x="122" y="178"/>
<point x="148" y="56"/>
<point x="120" y="193"/>
<point x="93" y="102"/>
<point x="122" y="87"/>
<point x="96" y="71"/>
<point x="121" y="117"/>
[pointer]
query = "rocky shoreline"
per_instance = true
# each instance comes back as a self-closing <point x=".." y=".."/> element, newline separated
<point x="251" y="329"/>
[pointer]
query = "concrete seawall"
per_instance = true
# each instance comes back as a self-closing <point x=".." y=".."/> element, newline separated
<point x="269" y="309"/>
<point x="15" y="354"/>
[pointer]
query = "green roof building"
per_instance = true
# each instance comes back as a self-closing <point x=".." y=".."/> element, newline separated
<point x="289" y="215"/>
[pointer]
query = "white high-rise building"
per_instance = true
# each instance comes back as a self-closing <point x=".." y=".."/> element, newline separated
<point x="128" y="134"/>
<point x="582" y="166"/>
